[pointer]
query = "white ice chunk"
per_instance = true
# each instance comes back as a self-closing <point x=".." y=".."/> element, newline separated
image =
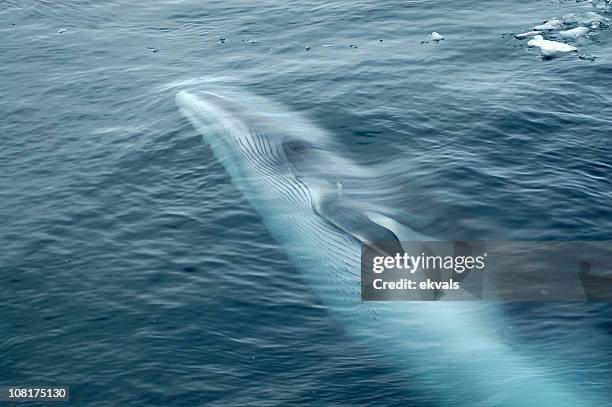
<point x="550" y="48"/>
<point x="549" y="25"/>
<point x="525" y="35"/>
<point x="590" y="17"/>
<point x="436" y="36"/>
<point x="574" y="33"/>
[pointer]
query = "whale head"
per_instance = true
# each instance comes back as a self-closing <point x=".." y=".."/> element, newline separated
<point x="234" y="126"/>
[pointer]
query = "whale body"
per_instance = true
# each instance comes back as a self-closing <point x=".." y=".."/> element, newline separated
<point x="290" y="171"/>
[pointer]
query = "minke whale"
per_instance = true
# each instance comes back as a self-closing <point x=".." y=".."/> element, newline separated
<point x="291" y="173"/>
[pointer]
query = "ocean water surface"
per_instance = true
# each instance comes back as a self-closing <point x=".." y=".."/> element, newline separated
<point x="133" y="270"/>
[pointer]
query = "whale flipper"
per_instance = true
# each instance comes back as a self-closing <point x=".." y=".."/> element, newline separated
<point x="356" y="223"/>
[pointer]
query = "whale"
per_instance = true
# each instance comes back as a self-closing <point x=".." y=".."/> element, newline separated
<point x="306" y="193"/>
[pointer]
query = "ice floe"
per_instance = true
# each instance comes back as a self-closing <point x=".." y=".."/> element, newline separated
<point x="550" y="48"/>
<point x="562" y="35"/>
<point x="603" y="4"/>
<point x="574" y="33"/>
<point x="436" y="36"/>
<point x="589" y="18"/>
<point x="549" y="25"/>
<point x="527" y="35"/>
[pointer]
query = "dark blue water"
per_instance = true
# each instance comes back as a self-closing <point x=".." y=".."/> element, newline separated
<point x="132" y="268"/>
